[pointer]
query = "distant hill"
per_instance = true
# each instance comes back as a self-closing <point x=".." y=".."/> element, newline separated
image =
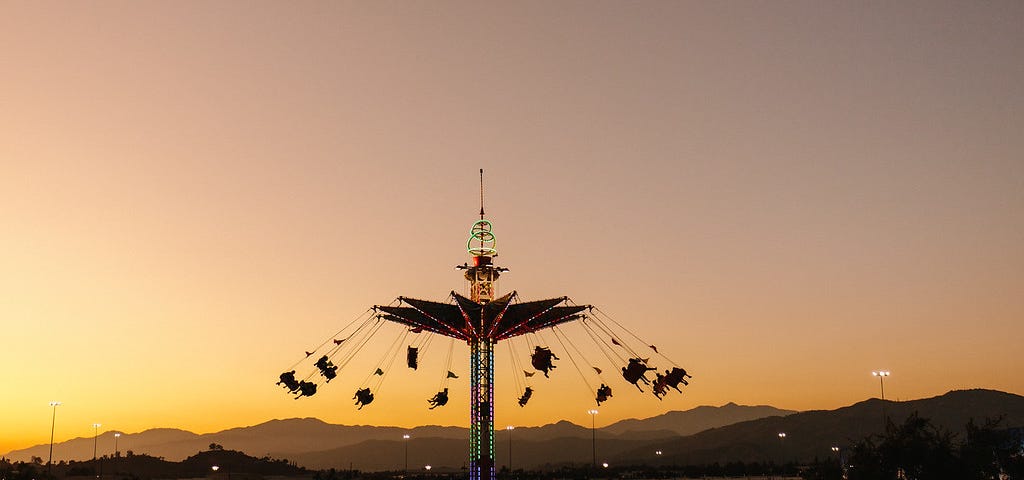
<point x="277" y="438"/>
<point x="808" y="435"/>
<point x="812" y="434"/>
<point x="698" y="419"/>
<point x="303" y="438"/>
<point x="697" y="436"/>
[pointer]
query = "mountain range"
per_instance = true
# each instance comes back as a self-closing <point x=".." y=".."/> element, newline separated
<point x="698" y="436"/>
<point x="313" y="443"/>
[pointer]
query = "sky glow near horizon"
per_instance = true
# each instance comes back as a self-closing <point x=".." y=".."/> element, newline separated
<point x="783" y="197"/>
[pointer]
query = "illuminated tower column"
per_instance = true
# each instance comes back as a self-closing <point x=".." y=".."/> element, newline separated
<point x="482" y="276"/>
<point x="481" y="320"/>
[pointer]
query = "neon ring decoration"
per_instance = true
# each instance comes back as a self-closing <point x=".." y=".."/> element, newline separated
<point x="481" y="233"/>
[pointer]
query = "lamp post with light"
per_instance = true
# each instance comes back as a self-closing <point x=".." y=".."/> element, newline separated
<point x="782" y="455"/>
<point x="510" y="428"/>
<point x="53" y="423"/>
<point x="881" y="380"/>
<point x="117" y="453"/>
<point x="881" y="374"/>
<point x="406" y="438"/>
<point x="842" y="462"/>
<point x="95" y="438"/>
<point x="593" y="434"/>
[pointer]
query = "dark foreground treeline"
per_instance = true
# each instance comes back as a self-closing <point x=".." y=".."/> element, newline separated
<point x="914" y="449"/>
<point x="917" y="449"/>
<point x="216" y="464"/>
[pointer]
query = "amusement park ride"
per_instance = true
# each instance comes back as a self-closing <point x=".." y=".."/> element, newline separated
<point x="481" y="320"/>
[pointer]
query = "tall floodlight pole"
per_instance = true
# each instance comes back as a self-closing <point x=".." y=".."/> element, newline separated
<point x="406" y="439"/>
<point x="53" y="423"/>
<point x="510" y="428"/>
<point x="593" y="434"/>
<point x="881" y="374"/>
<point x="881" y="380"/>
<point x="95" y="438"/>
<point x="117" y="453"/>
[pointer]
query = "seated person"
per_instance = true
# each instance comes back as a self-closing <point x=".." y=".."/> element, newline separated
<point x="327" y="368"/>
<point x="440" y="399"/>
<point x="526" y="397"/>
<point x="306" y="389"/>
<point x="541" y="359"/>
<point x="660" y="386"/>
<point x="603" y="392"/>
<point x="289" y="381"/>
<point x="675" y="377"/>
<point x="363" y="397"/>
<point x="634" y="372"/>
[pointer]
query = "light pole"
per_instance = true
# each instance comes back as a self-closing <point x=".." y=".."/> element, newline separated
<point x="53" y="422"/>
<point x="839" y="460"/>
<point x="593" y="434"/>
<point x="117" y="453"/>
<point x="881" y="374"/>
<point x="510" y="428"/>
<point x="95" y="437"/>
<point x="406" y="437"/>
<point x="881" y="380"/>
<point x="782" y="456"/>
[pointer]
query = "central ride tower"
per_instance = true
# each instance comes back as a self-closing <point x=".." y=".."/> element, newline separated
<point x="481" y="320"/>
<point x="482" y="276"/>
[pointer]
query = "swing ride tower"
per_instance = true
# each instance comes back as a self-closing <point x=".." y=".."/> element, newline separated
<point x="482" y="277"/>
<point x="482" y="319"/>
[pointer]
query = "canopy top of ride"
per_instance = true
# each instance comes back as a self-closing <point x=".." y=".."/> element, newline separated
<point x="466" y="319"/>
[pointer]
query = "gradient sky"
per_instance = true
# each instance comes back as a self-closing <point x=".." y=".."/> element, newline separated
<point x="786" y="195"/>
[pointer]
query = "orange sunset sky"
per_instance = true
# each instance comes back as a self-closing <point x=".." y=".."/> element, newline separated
<point x="783" y="196"/>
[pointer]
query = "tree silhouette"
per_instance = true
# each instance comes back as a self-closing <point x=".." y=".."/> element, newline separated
<point x="916" y="449"/>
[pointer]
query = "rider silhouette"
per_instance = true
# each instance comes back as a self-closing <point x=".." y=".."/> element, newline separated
<point x="440" y="399"/>
<point x="289" y="381"/>
<point x="634" y="372"/>
<point x="327" y="368"/>
<point x="675" y="377"/>
<point x="306" y="389"/>
<point x="603" y="392"/>
<point x="541" y="359"/>
<point x="526" y="397"/>
<point x="363" y="397"/>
